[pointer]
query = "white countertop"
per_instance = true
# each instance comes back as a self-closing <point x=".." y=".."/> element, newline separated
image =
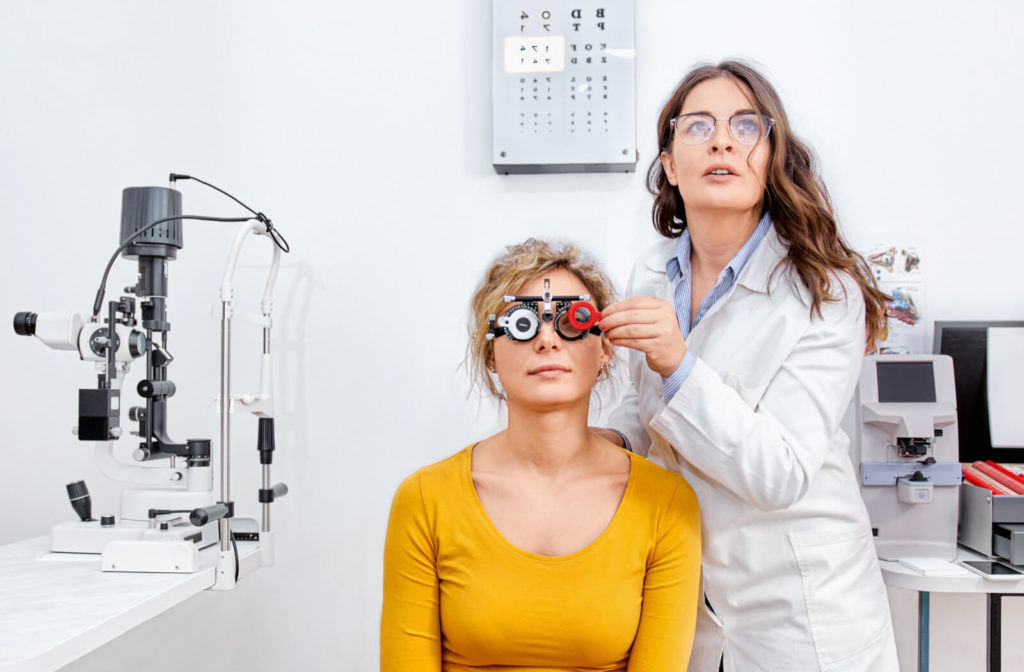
<point x="56" y="607"/>
<point x="959" y="580"/>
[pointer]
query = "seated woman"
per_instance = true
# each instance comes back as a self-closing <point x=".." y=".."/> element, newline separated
<point x="543" y="547"/>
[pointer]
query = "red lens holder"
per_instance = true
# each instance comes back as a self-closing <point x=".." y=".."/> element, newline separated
<point x="594" y="316"/>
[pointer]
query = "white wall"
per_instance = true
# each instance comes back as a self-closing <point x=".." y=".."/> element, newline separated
<point x="363" y="129"/>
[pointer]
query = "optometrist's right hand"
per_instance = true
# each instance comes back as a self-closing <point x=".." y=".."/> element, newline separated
<point x="649" y="325"/>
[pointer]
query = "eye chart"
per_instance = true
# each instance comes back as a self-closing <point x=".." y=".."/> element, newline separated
<point x="564" y="86"/>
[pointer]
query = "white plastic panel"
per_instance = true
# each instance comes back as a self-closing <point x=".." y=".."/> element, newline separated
<point x="1005" y="372"/>
<point x="564" y="86"/>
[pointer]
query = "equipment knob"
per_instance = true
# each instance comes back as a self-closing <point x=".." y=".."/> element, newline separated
<point x="207" y="514"/>
<point x="81" y="502"/>
<point x="156" y="388"/>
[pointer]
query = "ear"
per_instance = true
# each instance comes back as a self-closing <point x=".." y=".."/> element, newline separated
<point x="608" y="351"/>
<point x="668" y="164"/>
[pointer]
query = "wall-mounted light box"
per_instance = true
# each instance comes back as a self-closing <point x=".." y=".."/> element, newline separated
<point x="564" y="86"/>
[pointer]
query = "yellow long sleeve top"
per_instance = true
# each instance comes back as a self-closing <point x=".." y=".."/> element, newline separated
<point x="459" y="597"/>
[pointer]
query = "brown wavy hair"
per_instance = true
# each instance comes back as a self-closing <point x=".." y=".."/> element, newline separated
<point x="795" y="197"/>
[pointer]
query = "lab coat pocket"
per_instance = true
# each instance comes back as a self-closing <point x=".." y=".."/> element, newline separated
<point x="845" y="597"/>
<point x="751" y="396"/>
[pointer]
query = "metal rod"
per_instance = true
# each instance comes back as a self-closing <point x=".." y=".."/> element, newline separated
<point x="147" y="436"/>
<point x="265" y="527"/>
<point x="111" y="343"/>
<point x="225" y="420"/>
<point x="923" y="626"/>
<point x="994" y="626"/>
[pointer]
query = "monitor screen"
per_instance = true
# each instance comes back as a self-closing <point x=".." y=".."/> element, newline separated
<point x="905" y="382"/>
<point x="967" y="344"/>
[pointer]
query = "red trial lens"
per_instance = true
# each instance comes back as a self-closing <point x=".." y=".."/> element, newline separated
<point x="583" y="315"/>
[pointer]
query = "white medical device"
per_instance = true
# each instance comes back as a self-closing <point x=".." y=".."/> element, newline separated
<point x="169" y="513"/>
<point x="904" y="445"/>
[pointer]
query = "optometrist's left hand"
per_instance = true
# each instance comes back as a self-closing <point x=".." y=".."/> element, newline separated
<point x="649" y="325"/>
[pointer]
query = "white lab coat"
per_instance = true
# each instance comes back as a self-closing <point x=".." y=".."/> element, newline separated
<point x="788" y="559"/>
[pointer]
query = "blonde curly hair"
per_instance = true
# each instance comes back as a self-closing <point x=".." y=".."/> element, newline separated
<point x="506" y="274"/>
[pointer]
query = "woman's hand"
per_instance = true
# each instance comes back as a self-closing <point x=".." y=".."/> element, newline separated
<point x="649" y="325"/>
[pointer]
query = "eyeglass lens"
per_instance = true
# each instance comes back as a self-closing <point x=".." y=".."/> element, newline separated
<point x="565" y="328"/>
<point x="747" y="128"/>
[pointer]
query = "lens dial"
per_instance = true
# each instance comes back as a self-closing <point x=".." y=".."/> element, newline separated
<point x="521" y="323"/>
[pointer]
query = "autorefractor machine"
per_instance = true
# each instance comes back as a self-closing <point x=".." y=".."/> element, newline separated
<point x="903" y="430"/>
<point x="169" y="511"/>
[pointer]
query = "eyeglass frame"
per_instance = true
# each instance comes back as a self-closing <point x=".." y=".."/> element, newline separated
<point x="498" y="325"/>
<point x="764" y="118"/>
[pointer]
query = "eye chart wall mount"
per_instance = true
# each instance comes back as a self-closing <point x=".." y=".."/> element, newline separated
<point x="564" y="86"/>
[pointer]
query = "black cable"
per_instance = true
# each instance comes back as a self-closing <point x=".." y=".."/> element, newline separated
<point x="274" y="234"/>
<point x="97" y="305"/>
<point x="235" y="546"/>
<point x="278" y="239"/>
<point x="177" y="176"/>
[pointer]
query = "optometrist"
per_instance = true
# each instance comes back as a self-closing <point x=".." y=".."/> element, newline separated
<point x="746" y="331"/>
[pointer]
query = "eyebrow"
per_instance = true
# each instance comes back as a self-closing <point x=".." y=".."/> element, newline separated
<point x="743" y="111"/>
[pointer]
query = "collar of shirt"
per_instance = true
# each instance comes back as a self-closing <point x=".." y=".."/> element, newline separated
<point x="678" y="269"/>
<point x="679" y="262"/>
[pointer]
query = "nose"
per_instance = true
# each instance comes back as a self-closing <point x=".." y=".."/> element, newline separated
<point x="721" y="138"/>
<point x="546" y="338"/>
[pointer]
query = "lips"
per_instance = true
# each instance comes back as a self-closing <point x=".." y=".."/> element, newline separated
<point x="548" y="369"/>
<point x="719" y="169"/>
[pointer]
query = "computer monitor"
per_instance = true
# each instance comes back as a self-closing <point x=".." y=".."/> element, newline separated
<point x="967" y="344"/>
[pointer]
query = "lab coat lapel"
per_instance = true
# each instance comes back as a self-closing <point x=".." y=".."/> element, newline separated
<point x="661" y="286"/>
<point x="756" y="274"/>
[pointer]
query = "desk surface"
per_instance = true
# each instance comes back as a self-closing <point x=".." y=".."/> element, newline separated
<point x="56" y="607"/>
<point x="963" y="581"/>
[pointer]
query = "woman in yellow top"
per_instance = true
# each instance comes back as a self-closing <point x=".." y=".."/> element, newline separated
<point x="543" y="547"/>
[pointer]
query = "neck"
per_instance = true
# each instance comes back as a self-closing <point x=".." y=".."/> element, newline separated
<point x="549" y="441"/>
<point x="716" y="237"/>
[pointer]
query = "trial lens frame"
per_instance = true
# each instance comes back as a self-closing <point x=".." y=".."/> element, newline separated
<point x="571" y="306"/>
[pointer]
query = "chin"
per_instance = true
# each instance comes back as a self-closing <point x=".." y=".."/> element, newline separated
<point x="553" y="399"/>
<point x="726" y="205"/>
<point x="723" y="201"/>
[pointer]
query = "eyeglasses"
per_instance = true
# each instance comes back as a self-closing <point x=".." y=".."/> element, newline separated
<point x="697" y="128"/>
<point x="574" y="317"/>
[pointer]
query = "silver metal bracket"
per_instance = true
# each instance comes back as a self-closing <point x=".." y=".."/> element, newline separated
<point x="887" y="473"/>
